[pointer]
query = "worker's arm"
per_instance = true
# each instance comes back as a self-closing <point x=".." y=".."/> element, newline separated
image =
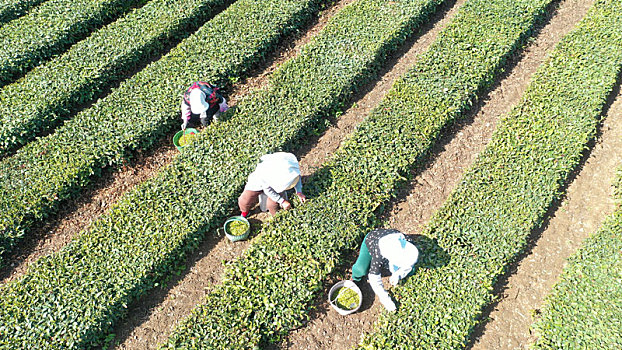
<point x="376" y="284"/>
<point x="274" y="195"/>
<point x="298" y="189"/>
<point x="185" y="114"/>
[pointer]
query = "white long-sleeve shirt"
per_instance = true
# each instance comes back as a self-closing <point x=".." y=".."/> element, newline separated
<point x="258" y="183"/>
<point x="375" y="281"/>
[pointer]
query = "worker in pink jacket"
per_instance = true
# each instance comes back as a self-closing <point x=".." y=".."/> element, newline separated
<point x="275" y="174"/>
<point x="201" y="103"/>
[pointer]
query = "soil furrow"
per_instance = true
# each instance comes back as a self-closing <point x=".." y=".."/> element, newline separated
<point x="77" y="214"/>
<point x="431" y="186"/>
<point x="151" y="320"/>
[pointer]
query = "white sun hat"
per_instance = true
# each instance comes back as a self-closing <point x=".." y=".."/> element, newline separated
<point x="280" y="170"/>
<point x="402" y="255"/>
<point x="198" y="104"/>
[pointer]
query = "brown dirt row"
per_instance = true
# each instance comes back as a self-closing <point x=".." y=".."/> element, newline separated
<point x="327" y="329"/>
<point x="427" y="192"/>
<point x="151" y="320"/>
<point x="207" y="267"/>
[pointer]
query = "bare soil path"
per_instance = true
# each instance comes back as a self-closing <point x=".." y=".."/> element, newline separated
<point x="76" y="215"/>
<point x="327" y="329"/>
<point x="151" y="320"/>
<point x="425" y="194"/>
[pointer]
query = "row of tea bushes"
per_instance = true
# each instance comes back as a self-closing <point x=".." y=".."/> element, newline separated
<point x="267" y="291"/>
<point x="71" y="298"/>
<point x="584" y="310"/>
<point x="142" y="109"/>
<point x="54" y="90"/>
<point x="49" y="29"/>
<point x="11" y="9"/>
<point x="504" y="197"/>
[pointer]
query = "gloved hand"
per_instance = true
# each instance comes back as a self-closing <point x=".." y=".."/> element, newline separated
<point x="286" y="205"/>
<point x="388" y="303"/>
<point x="302" y="197"/>
<point x="203" y="115"/>
<point x="223" y="106"/>
<point x="184" y="125"/>
<point x="394" y="279"/>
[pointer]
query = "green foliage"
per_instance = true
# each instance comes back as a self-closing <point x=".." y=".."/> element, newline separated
<point x="11" y="9"/>
<point x="54" y="90"/>
<point x="236" y="228"/>
<point x="505" y="195"/>
<point x="49" y="29"/>
<point x="143" y="108"/>
<point x="347" y="298"/>
<point x="77" y="294"/>
<point x="270" y="287"/>
<point x="584" y="309"/>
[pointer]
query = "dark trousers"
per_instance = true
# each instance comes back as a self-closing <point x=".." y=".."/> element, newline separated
<point x="195" y="119"/>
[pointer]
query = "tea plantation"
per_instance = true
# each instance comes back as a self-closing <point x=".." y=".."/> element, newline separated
<point x="77" y="96"/>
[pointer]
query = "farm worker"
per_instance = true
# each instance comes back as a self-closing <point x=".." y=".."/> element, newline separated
<point x="275" y="174"/>
<point x="385" y="249"/>
<point x="202" y="102"/>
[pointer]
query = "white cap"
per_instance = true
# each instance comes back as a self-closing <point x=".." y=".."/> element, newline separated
<point x="402" y="255"/>
<point x="281" y="170"/>
<point x="198" y="104"/>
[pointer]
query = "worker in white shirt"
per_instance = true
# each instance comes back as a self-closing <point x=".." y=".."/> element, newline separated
<point x="275" y="174"/>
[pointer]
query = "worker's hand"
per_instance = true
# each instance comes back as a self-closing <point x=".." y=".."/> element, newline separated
<point x="388" y="304"/>
<point x="184" y="125"/>
<point x="394" y="279"/>
<point x="301" y="196"/>
<point x="223" y="106"/>
<point x="286" y="205"/>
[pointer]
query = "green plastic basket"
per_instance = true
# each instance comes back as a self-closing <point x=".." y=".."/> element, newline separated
<point x="235" y="238"/>
<point x="188" y="131"/>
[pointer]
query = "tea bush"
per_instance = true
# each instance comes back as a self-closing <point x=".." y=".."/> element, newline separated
<point x="11" y="9"/>
<point x="583" y="310"/>
<point x="505" y="195"/>
<point x="142" y="109"/>
<point x="49" y="29"/>
<point x="54" y="90"/>
<point x="270" y="287"/>
<point x="73" y="297"/>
